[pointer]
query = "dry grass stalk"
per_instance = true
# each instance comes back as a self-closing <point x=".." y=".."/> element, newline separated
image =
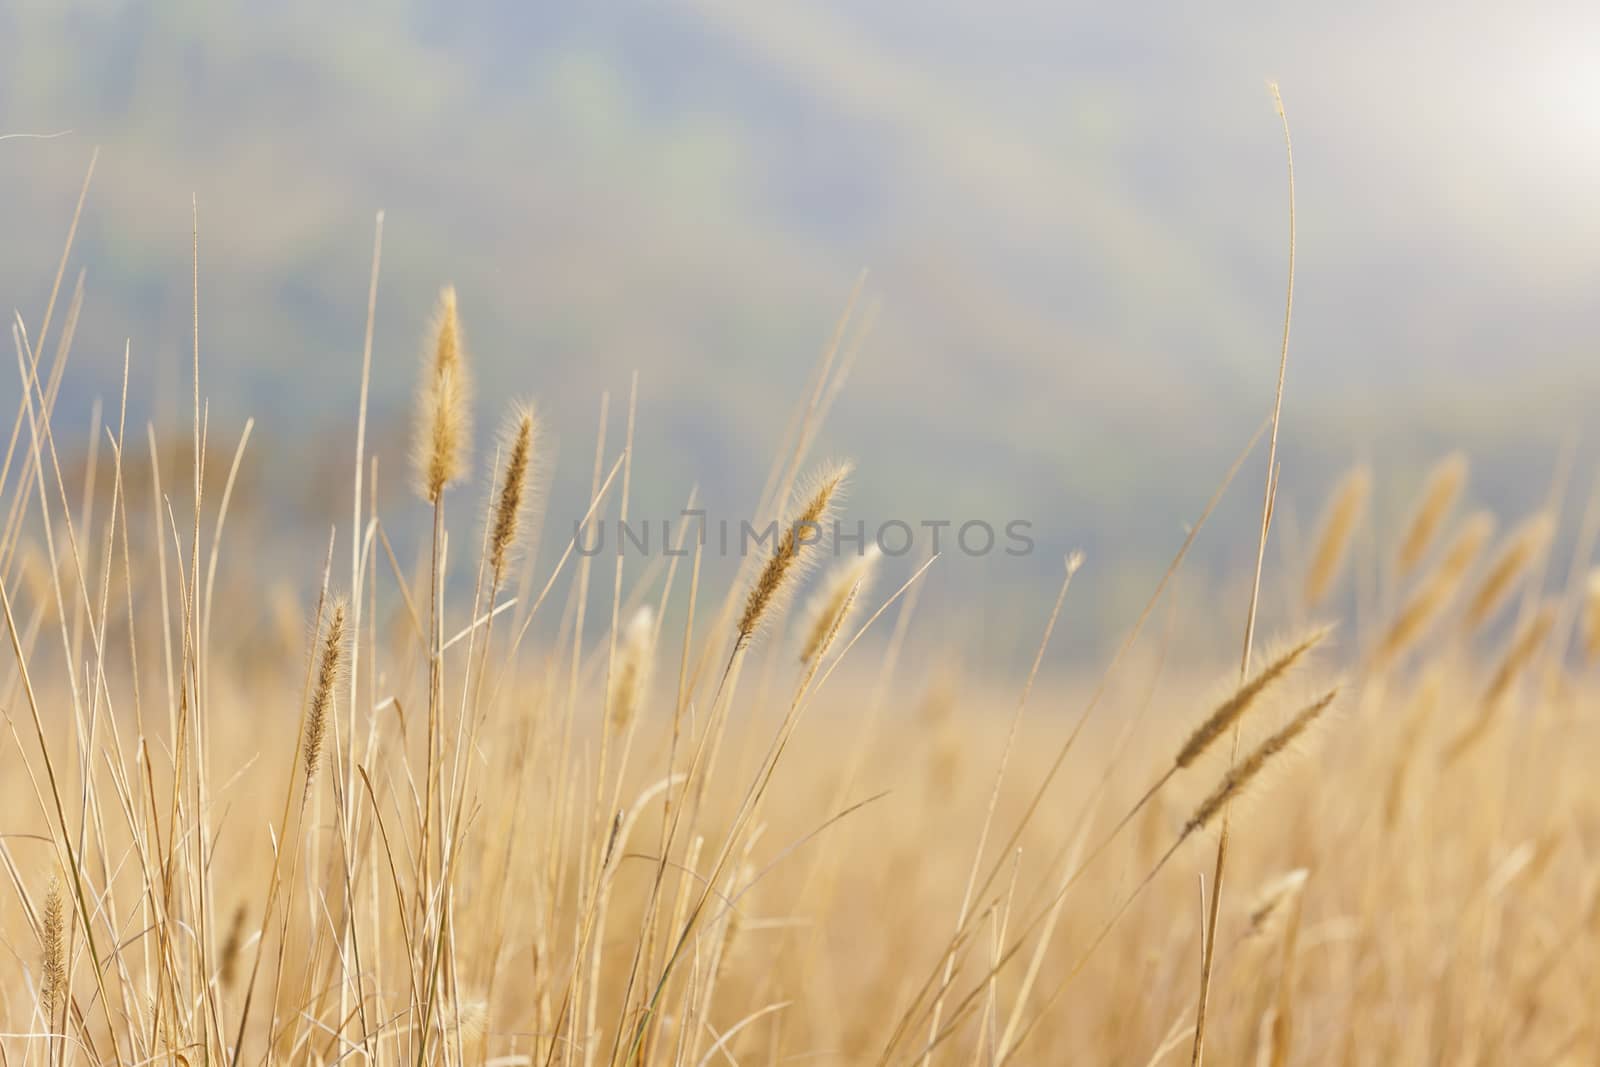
<point x="1208" y="953"/>
<point x="1436" y="591"/>
<point x="1230" y="711"/>
<point x="1341" y="518"/>
<point x="1438" y="497"/>
<point x="1522" y="548"/>
<point x="444" y="406"/>
<point x="777" y="577"/>
<point x="1275" y="916"/>
<point x="826" y="612"/>
<point x="380" y="944"/>
<point x="832" y="635"/>
<point x="329" y="667"/>
<point x="513" y="498"/>
<point x="1282" y="1032"/>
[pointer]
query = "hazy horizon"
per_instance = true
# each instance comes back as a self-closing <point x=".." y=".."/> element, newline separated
<point x="1073" y="222"/>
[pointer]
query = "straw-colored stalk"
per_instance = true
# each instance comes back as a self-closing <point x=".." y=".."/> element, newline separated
<point x="439" y="455"/>
<point x="1281" y="1038"/>
<point x="1275" y="917"/>
<point x="1340" y="521"/>
<point x="1424" y="703"/>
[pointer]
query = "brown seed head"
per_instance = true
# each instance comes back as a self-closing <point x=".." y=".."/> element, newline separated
<point x="789" y="557"/>
<point x="513" y="491"/>
<point x="1232" y="710"/>
<point x="1239" y="778"/>
<point x="52" y="964"/>
<point x="1272" y="900"/>
<point x="328" y="671"/>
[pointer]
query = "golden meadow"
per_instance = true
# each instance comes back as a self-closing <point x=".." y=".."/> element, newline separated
<point x="409" y="826"/>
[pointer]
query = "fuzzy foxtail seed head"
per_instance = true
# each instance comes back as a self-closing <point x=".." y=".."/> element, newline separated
<point x="1344" y="512"/>
<point x="512" y="501"/>
<point x="329" y="668"/>
<point x="1239" y="778"/>
<point x="1433" y="506"/>
<point x="444" y="406"/>
<point x="1231" y="710"/>
<point x="52" y="963"/>
<point x="831" y="604"/>
<point x="790" y="556"/>
<point x="1522" y="549"/>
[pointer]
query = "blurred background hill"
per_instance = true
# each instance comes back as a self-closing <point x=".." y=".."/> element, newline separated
<point x="1073" y="217"/>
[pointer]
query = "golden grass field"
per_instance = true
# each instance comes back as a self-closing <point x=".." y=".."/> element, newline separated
<point x="398" y="829"/>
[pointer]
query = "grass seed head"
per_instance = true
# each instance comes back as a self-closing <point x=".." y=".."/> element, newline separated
<point x="832" y="604"/>
<point x="1522" y="549"/>
<point x="1273" y="900"/>
<point x="1438" y="496"/>
<point x="329" y="668"/>
<point x="631" y="681"/>
<point x="444" y="406"/>
<point x="1232" y="709"/>
<point x="1436" y="591"/>
<point x="1238" y="779"/>
<point x="53" y="960"/>
<point x="512" y="500"/>
<point x="791" y="554"/>
<point x="1521" y="651"/>
<point x="1343" y="516"/>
